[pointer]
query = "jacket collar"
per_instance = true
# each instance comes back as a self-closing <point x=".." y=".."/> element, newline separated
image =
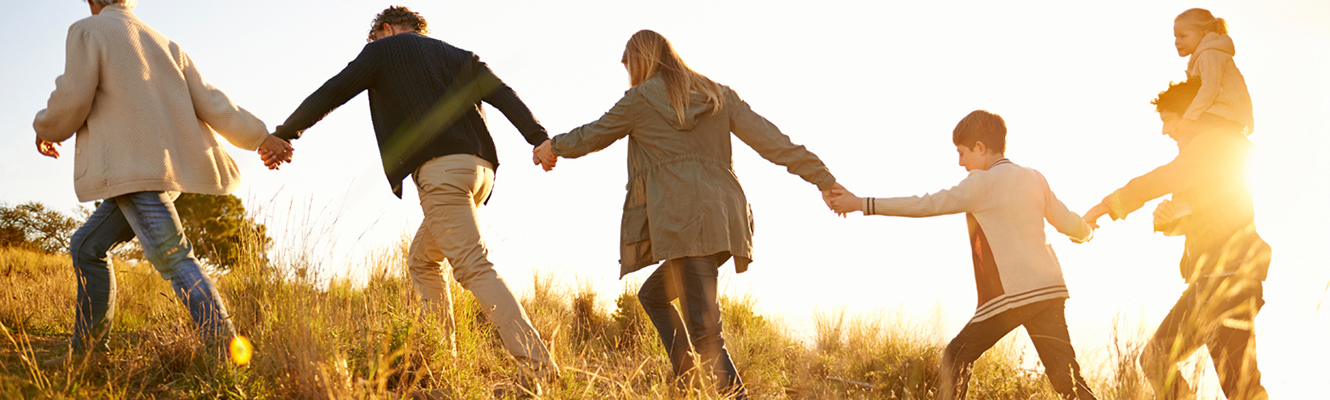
<point x="1000" y="161"/>
<point x="118" y="12"/>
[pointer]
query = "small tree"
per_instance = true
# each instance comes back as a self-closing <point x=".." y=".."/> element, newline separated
<point x="222" y="233"/>
<point x="33" y="226"/>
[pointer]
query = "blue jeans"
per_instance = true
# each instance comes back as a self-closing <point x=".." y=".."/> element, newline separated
<point x="692" y="280"/>
<point x="150" y="216"/>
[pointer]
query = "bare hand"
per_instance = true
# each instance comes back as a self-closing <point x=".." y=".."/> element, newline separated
<point x="841" y="201"/>
<point x="48" y="148"/>
<point x="544" y="156"/>
<point x="1091" y="216"/>
<point x="274" y="151"/>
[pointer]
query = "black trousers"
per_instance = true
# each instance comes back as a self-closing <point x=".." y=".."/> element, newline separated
<point x="1047" y="326"/>
<point x="691" y="280"/>
<point x="1218" y="313"/>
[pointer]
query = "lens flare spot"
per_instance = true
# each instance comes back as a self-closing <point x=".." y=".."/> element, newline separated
<point x="241" y="350"/>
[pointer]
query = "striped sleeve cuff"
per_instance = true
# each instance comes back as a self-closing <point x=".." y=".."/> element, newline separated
<point x="869" y="206"/>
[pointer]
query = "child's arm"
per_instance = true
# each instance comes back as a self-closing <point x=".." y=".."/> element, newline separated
<point x="1062" y="219"/>
<point x="1210" y="64"/>
<point x="959" y="198"/>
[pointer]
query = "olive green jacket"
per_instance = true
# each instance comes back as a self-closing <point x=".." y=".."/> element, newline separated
<point x="683" y="197"/>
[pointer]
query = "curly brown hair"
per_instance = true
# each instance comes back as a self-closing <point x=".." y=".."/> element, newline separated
<point x="399" y="16"/>
<point x="1178" y="96"/>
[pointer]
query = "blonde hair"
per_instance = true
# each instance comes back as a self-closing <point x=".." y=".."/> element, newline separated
<point x="649" y="54"/>
<point x="1201" y="18"/>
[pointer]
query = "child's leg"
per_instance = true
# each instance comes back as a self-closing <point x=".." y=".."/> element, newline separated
<point x="1048" y="331"/>
<point x="973" y="340"/>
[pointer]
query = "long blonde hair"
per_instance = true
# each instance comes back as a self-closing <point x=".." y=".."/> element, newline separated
<point x="649" y="54"/>
<point x="1203" y="19"/>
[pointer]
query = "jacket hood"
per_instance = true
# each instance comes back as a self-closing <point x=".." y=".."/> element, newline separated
<point x="1212" y="41"/>
<point x="656" y="95"/>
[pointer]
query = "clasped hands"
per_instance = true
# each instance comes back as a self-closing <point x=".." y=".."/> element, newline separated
<point x="841" y="201"/>
<point x="275" y="151"/>
<point x="543" y="155"/>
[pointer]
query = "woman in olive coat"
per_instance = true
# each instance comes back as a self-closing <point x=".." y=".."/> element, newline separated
<point x="684" y="207"/>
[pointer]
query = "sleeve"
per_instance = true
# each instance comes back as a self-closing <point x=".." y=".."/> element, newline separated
<point x="1063" y="219"/>
<point x="355" y="78"/>
<point x="1210" y="66"/>
<point x="960" y="198"/>
<point x="1188" y="169"/>
<point x="212" y="106"/>
<point x="505" y="99"/>
<point x="763" y="136"/>
<point x="592" y="137"/>
<point x="67" y="109"/>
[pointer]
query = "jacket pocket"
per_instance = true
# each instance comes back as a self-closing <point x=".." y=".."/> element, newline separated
<point x="80" y="164"/>
<point x="635" y="228"/>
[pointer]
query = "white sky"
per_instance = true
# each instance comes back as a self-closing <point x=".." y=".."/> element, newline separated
<point x="872" y="89"/>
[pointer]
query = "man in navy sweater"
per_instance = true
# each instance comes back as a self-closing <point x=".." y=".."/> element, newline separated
<point x="424" y="96"/>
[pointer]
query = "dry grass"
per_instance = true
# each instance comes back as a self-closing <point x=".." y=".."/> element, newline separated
<point x="366" y="340"/>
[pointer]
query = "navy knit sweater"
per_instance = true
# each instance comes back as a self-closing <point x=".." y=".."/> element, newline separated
<point x="424" y="98"/>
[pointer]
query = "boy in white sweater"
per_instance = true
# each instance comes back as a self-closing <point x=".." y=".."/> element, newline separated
<point x="1017" y="275"/>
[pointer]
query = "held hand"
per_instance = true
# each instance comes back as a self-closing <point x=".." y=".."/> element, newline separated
<point x="535" y="159"/>
<point x="274" y="151"/>
<point x="48" y="148"/>
<point x="1164" y="213"/>
<point x="841" y="201"/>
<point x="1091" y="216"/>
<point x="544" y="156"/>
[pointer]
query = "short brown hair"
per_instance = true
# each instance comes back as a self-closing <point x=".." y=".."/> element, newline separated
<point x="399" y="16"/>
<point x="981" y="126"/>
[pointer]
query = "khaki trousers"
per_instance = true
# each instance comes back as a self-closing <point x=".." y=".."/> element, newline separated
<point x="451" y="188"/>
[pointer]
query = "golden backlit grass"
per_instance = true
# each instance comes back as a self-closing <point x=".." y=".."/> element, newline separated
<point x="339" y="339"/>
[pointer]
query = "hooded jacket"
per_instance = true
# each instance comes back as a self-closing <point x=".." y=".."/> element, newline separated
<point x="1223" y="90"/>
<point x="683" y="197"/>
<point x="142" y="112"/>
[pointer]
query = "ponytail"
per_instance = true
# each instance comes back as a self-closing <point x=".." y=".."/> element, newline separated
<point x="1203" y="19"/>
<point x="1221" y="26"/>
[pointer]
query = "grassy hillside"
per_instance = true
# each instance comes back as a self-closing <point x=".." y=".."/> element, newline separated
<point x="366" y="340"/>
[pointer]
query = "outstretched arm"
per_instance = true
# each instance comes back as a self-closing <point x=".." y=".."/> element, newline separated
<point x="505" y="99"/>
<point x="1063" y="219"/>
<point x="592" y="137"/>
<point x="355" y="78"/>
<point x="214" y="107"/>
<point x="763" y="136"/>
<point x="960" y="198"/>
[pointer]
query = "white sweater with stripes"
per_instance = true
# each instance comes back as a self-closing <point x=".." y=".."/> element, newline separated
<point x="1005" y="207"/>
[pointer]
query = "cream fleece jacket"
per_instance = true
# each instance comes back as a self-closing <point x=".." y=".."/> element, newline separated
<point x="1223" y="90"/>
<point x="143" y="115"/>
